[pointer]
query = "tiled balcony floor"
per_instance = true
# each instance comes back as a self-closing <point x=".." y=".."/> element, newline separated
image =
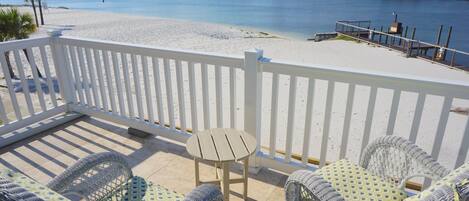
<point x="161" y="161"/>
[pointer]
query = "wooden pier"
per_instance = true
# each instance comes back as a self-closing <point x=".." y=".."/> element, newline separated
<point x="361" y="30"/>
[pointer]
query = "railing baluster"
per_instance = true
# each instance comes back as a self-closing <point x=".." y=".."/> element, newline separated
<point x="76" y="74"/>
<point x="110" y="86"/>
<point x="50" y="85"/>
<point x="11" y="92"/>
<point x="3" y="114"/>
<point x="291" y="118"/>
<point x="24" y="83"/>
<point x="91" y="70"/>
<point x="347" y="118"/>
<point x="309" y="113"/>
<point x="84" y="75"/>
<point x="219" y="96"/>
<point x="369" y="118"/>
<point x="159" y="97"/>
<point x="206" y="96"/>
<point x="327" y="123"/>
<point x="440" y="132"/>
<point x="37" y="83"/>
<point x="464" y="147"/>
<point x="417" y="116"/>
<point x="273" y="116"/>
<point x="393" y="113"/>
<point x="169" y="92"/>
<point x="128" y="87"/>
<point x="233" y="97"/>
<point x="97" y="61"/>
<point x="120" y="96"/>
<point x="192" y="88"/>
<point x="146" y="83"/>
<point x="180" y="86"/>
<point x="67" y="81"/>
<point x="137" y="87"/>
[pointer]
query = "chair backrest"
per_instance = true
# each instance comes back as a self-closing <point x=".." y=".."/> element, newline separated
<point x="93" y="177"/>
<point x="395" y="159"/>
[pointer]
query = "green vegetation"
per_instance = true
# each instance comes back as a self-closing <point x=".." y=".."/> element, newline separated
<point x="15" y="26"/>
<point x="346" y="38"/>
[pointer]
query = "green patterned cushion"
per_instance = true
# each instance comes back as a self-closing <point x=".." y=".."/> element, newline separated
<point x="439" y="190"/>
<point x="355" y="183"/>
<point x="137" y="189"/>
<point x="30" y="185"/>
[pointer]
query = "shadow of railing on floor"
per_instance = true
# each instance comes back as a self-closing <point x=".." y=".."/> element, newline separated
<point x="136" y="156"/>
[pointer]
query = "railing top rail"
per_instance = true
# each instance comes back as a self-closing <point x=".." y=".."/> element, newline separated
<point x="457" y="89"/>
<point x="218" y="59"/>
<point x="24" y="43"/>
<point x="345" y="23"/>
<point x="354" y="21"/>
<point x="379" y="32"/>
<point x="445" y="48"/>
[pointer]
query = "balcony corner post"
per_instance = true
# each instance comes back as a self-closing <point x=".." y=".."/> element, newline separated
<point x="66" y="87"/>
<point x="253" y="97"/>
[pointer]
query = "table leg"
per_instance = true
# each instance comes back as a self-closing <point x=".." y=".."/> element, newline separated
<point x="216" y="170"/>
<point x="197" y="173"/>
<point x="226" y="181"/>
<point x="245" y="177"/>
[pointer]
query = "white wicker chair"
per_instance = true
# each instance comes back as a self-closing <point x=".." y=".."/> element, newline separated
<point x="103" y="176"/>
<point x="393" y="159"/>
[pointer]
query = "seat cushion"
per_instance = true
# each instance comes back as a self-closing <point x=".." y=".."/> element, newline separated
<point x="138" y="189"/>
<point x="28" y="186"/>
<point x="446" y="188"/>
<point x="355" y="183"/>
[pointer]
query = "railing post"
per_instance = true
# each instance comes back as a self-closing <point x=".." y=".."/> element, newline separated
<point x="66" y="89"/>
<point x="252" y="97"/>
<point x="410" y="44"/>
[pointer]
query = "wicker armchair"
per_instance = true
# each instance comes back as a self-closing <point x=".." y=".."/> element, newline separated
<point x="385" y="167"/>
<point x="105" y="176"/>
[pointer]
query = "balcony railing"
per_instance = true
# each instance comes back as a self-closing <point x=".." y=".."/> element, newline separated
<point x="299" y="114"/>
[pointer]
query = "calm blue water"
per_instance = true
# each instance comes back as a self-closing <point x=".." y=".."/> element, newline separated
<point x="298" y="18"/>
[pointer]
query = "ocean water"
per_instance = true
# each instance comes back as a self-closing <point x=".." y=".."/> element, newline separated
<point x="298" y="18"/>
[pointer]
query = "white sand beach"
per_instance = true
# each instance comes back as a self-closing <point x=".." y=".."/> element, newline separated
<point x="207" y="37"/>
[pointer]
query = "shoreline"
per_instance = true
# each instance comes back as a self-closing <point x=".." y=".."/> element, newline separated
<point x="229" y="39"/>
<point x="265" y="33"/>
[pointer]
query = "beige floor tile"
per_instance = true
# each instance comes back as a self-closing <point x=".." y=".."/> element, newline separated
<point x="277" y="194"/>
<point x="159" y="160"/>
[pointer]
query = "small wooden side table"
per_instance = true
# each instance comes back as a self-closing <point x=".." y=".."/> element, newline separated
<point x="222" y="146"/>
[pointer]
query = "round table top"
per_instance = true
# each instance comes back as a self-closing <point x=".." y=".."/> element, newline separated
<point x="221" y="144"/>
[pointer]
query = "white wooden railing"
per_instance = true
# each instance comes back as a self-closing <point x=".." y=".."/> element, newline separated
<point x="352" y="90"/>
<point x="155" y="97"/>
<point x="36" y="99"/>
<point x="297" y="112"/>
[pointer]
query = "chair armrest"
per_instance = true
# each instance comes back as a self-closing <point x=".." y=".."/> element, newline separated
<point x="404" y="181"/>
<point x="93" y="177"/>
<point x="305" y="185"/>
<point x="205" y="192"/>
<point x="395" y="159"/>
